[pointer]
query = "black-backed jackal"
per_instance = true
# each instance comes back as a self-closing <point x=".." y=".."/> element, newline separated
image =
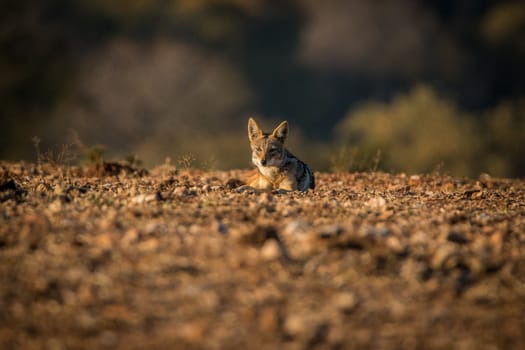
<point x="277" y="168"/>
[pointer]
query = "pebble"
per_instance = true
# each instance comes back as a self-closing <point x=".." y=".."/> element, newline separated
<point x="54" y="344"/>
<point x="103" y="241"/>
<point x="481" y="293"/>
<point x="496" y="241"/>
<point x="270" y="250"/>
<point x="180" y="191"/>
<point x="296" y="227"/>
<point x="395" y="245"/>
<point x="444" y="257"/>
<point x="108" y="338"/>
<point x="457" y="237"/>
<point x="269" y="319"/>
<point x="193" y="332"/>
<point x="129" y="237"/>
<point x="414" y="180"/>
<point x="485" y="178"/>
<point x="144" y="198"/>
<point x="220" y="227"/>
<point x="55" y="206"/>
<point x="41" y="187"/>
<point x="294" y="325"/>
<point x="345" y="301"/>
<point x="376" y="202"/>
<point x="330" y="231"/>
<point x="148" y="245"/>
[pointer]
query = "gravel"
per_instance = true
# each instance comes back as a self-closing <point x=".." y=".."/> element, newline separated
<point x="113" y="257"/>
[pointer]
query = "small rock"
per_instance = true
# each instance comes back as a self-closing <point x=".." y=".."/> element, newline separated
<point x="180" y="191"/>
<point x="330" y="231"/>
<point x="85" y="295"/>
<point x="103" y="241"/>
<point x="457" y="237"/>
<point x="40" y="284"/>
<point x="484" y="219"/>
<point x="86" y="321"/>
<point x="385" y="214"/>
<point x="269" y="319"/>
<point x="259" y="235"/>
<point x="148" y="245"/>
<point x="481" y="293"/>
<point x="55" y="206"/>
<point x="54" y="344"/>
<point x="17" y="311"/>
<point x="58" y="190"/>
<point x="119" y="313"/>
<point x="193" y="332"/>
<point x="376" y="202"/>
<point x="336" y="335"/>
<point x="345" y="301"/>
<point x="221" y="227"/>
<point x="444" y="257"/>
<point x="496" y="241"/>
<point x="144" y="198"/>
<point x="395" y="245"/>
<point x="108" y="338"/>
<point x="296" y="227"/>
<point x="41" y="187"/>
<point x="74" y="275"/>
<point x="234" y="183"/>
<point x="414" y="180"/>
<point x="294" y="325"/>
<point x="449" y="187"/>
<point x="485" y="178"/>
<point x="270" y="250"/>
<point x="150" y="228"/>
<point x="377" y="232"/>
<point x="129" y="237"/>
<point x="209" y="300"/>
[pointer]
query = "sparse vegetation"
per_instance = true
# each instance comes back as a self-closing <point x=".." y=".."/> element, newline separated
<point x="350" y="159"/>
<point x="36" y="144"/>
<point x="186" y="161"/>
<point x="60" y="155"/>
<point x="95" y="154"/>
<point x="134" y="160"/>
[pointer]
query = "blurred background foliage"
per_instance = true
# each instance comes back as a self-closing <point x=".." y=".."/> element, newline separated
<point x="400" y="85"/>
<point x="420" y="123"/>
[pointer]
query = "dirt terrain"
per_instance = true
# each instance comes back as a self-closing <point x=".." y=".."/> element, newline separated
<point x="109" y="256"/>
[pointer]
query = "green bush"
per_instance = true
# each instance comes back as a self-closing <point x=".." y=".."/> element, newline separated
<point x="416" y="132"/>
<point x="504" y="139"/>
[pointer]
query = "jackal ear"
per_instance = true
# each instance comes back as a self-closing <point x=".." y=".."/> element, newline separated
<point x="254" y="131"/>
<point x="281" y="131"/>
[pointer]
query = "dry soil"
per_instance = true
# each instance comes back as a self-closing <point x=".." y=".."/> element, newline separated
<point x="109" y="256"/>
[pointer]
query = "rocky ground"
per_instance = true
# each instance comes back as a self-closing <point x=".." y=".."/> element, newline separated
<point x="109" y="256"/>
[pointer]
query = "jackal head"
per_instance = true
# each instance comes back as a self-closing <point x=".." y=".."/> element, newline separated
<point x="267" y="149"/>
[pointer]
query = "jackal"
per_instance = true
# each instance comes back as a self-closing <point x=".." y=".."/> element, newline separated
<point x="277" y="168"/>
